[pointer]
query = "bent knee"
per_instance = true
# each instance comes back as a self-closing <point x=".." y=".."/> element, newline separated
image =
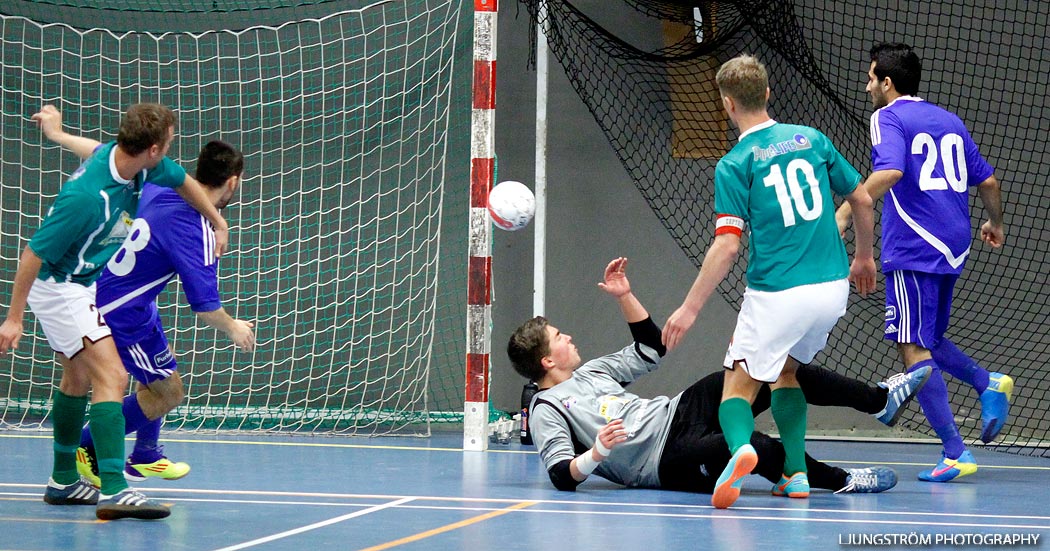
<point x="169" y="392"/>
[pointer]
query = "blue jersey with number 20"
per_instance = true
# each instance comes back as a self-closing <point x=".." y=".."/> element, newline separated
<point x="926" y="214"/>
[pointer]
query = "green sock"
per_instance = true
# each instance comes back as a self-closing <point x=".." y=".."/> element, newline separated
<point x="107" y="430"/>
<point x="788" y="406"/>
<point x="67" y="419"/>
<point x="737" y="422"/>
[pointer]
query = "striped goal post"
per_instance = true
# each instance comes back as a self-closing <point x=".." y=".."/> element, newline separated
<point x="479" y="269"/>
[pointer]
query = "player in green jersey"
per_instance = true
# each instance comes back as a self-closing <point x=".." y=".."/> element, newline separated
<point x="56" y="273"/>
<point x="777" y="181"/>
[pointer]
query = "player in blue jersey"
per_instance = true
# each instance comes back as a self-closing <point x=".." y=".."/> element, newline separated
<point x="56" y="274"/>
<point x="127" y="293"/>
<point x="778" y="180"/>
<point x="167" y="239"/>
<point x="925" y="163"/>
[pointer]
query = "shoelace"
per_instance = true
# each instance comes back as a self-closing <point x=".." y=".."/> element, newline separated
<point x="897" y="380"/>
<point x="863" y="478"/>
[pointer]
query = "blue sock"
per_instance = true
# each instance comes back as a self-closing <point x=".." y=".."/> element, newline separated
<point x="953" y="444"/>
<point x="134" y="418"/>
<point x="147" y="447"/>
<point x="957" y="364"/>
<point x="933" y="397"/>
<point x="85" y="438"/>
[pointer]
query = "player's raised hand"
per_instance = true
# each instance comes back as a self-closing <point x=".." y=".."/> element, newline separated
<point x="678" y="325"/>
<point x="10" y="334"/>
<point x="49" y="119"/>
<point x="862" y="274"/>
<point x="616" y="283"/>
<point x="242" y="335"/>
<point x="612" y="434"/>
<point x="992" y="234"/>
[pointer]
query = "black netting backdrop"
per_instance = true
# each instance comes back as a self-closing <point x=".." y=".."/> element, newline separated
<point x="655" y="98"/>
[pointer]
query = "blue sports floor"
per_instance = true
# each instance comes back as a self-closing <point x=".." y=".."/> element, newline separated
<point x="266" y="492"/>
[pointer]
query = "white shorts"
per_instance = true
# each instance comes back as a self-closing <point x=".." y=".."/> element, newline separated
<point x="794" y="322"/>
<point x="67" y="314"/>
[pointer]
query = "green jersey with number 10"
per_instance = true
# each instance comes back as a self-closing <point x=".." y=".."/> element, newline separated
<point x="778" y="180"/>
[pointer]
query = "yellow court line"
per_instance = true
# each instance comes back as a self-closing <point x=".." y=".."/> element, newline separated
<point x="51" y="520"/>
<point x="450" y="527"/>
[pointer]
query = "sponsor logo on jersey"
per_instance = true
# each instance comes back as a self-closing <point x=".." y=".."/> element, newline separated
<point x="891" y="329"/>
<point x="120" y="229"/>
<point x="610" y="407"/>
<point x="891" y="313"/>
<point x="569" y="402"/>
<point x="797" y="143"/>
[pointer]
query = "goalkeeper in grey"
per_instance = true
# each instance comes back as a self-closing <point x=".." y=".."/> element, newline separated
<point x="584" y="422"/>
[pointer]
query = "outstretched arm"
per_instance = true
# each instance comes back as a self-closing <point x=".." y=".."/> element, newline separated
<point x="617" y="285"/>
<point x="239" y="331"/>
<point x="719" y="259"/>
<point x="49" y="119"/>
<point x="643" y="329"/>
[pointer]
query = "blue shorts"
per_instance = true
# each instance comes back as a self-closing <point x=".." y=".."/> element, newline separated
<point x="918" y="307"/>
<point x="150" y="359"/>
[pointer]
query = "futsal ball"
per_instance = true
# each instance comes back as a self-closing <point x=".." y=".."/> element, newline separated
<point x="511" y="205"/>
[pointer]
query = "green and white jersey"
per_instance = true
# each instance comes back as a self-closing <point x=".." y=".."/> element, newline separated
<point x="570" y="414"/>
<point x="778" y="181"/>
<point x="92" y="215"/>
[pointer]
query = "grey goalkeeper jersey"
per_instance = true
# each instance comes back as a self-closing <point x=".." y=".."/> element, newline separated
<point x="580" y="406"/>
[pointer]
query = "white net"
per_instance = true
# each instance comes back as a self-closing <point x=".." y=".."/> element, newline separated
<point x="336" y="234"/>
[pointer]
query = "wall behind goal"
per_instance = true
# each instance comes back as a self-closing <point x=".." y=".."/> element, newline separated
<point x="595" y="213"/>
<point x="817" y="54"/>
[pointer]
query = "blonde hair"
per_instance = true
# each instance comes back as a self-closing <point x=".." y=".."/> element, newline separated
<point x="744" y="79"/>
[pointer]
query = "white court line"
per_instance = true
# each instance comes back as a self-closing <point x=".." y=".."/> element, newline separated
<point x="723" y="515"/>
<point x="315" y="525"/>
<point x="993" y="520"/>
<point x="601" y="506"/>
<point x="166" y="491"/>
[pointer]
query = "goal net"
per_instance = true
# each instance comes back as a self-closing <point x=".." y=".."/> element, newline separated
<point x="348" y="123"/>
<point x="653" y="94"/>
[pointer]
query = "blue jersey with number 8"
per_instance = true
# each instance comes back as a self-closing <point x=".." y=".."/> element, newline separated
<point x="779" y="180"/>
<point x="168" y="238"/>
<point x="926" y="214"/>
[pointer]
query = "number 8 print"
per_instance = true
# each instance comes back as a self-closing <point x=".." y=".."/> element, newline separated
<point x="124" y="261"/>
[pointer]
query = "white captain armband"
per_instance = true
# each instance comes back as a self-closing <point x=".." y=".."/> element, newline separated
<point x="727" y="223"/>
